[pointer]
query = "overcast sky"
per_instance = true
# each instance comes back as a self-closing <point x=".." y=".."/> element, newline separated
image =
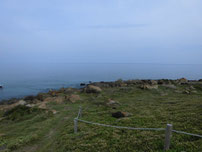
<point x="112" y="31"/>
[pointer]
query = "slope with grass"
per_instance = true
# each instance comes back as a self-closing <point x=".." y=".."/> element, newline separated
<point x="41" y="130"/>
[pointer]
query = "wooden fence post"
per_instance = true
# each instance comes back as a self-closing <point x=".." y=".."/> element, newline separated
<point x="75" y="125"/>
<point x="80" y="111"/>
<point x="168" y="136"/>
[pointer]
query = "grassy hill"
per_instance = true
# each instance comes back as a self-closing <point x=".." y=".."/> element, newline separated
<point x="49" y="127"/>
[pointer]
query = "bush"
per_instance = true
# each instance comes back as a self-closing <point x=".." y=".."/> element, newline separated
<point x="19" y="112"/>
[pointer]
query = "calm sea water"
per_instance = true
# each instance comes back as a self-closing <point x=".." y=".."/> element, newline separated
<point x="29" y="79"/>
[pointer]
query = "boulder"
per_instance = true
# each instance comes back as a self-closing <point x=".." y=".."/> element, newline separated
<point x="120" y="114"/>
<point x="22" y="102"/>
<point x="59" y="99"/>
<point x="82" y="84"/>
<point x="73" y="98"/>
<point x="153" y="82"/>
<point x="92" y="89"/>
<point x="160" y="82"/>
<point x="42" y="105"/>
<point x="112" y="102"/>
<point x="182" y="80"/>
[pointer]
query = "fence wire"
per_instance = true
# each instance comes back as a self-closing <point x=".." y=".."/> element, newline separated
<point x="182" y="132"/>
<point x="79" y="113"/>
<point x="120" y="127"/>
<point x="131" y="128"/>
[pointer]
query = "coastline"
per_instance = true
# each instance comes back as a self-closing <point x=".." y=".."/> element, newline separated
<point x="117" y="83"/>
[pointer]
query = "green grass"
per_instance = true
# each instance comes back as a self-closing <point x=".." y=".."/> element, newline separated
<point x="41" y="131"/>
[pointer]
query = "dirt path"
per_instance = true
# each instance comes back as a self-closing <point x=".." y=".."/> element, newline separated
<point x="44" y="144"/>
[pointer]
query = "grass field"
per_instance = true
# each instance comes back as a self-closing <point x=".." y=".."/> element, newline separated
<point x="41" y="131"/>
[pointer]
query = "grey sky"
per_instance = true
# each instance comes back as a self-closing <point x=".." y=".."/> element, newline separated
<point x="139" y="31"/>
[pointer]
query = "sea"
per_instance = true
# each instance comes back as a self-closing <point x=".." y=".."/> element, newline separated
<point x="22" y="79"/>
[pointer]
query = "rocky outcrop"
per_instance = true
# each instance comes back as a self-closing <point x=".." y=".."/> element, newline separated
<point x="61" y="91"/>
<point x="133" y="82"/>
<point x="92" y="89"/>
<point x="53" y="93"/>
<point x="59" y="99"/>
<point x="182" y="81"/>
<point x="82" y="84"/>
<point x="22" y="103"/>
<point x="165" y="81"/>
<point x="29" y="98"/>
<point x="42" y="96"/>
<point x="73" y="98"/>
<point x="128" y="83"/>
<point x="70" y="91"/>
<point x="118" y="83"/>
<point x="148" y="86"/>
<point x="42" y="105"/>
<point x="153" y="82"/>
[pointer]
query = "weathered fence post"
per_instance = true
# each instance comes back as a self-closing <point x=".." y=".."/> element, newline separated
<point x="169" y="128"/>
<point x="80" y="111"/>
<point x="75" y="125"/>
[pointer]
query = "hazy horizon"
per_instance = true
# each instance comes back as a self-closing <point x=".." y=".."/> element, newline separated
<point x="29" y="79"/>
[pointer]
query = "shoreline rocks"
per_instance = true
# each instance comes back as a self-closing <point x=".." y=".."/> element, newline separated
<point x="69" y="94"/>
<point x="148" y="86"/>
<point x="92" y="89"/>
